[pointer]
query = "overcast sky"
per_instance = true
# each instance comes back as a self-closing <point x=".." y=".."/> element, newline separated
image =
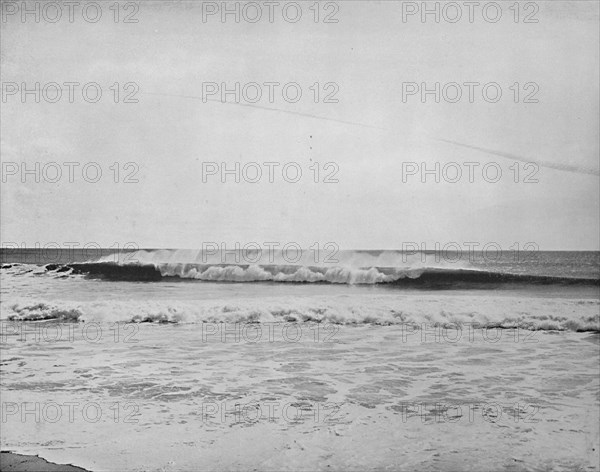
<point x="369" y="53"/>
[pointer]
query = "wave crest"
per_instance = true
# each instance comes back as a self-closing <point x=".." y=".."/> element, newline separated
<point x="417" y="277"/>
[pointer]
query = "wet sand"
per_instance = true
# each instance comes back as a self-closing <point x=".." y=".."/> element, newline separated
<point x="23" y="463"/>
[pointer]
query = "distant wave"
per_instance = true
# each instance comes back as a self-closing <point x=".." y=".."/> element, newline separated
<point x="418" y="277"/>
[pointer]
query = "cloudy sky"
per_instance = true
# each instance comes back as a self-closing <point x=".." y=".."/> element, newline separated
<point x="371" y="133"/>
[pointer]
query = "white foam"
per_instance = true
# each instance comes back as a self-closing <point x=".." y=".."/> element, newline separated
<point x="443" y="310"/>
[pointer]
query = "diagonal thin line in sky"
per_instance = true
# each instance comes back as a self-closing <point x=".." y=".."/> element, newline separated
<point x="260" y="107"/>
<point x="550" y="165"/>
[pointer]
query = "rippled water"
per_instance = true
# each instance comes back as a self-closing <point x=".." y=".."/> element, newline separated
<point x="354" y="398"/>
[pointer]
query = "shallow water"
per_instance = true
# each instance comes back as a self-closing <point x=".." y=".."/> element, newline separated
<point x="359" y="398"/>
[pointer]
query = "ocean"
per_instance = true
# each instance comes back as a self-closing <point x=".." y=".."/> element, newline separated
<point x="302" y="360"/>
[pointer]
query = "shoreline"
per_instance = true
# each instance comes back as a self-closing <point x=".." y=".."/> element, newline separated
<point x="10" y="461"/>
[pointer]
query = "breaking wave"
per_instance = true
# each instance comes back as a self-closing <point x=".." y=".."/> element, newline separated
<point x="418" y="277"/>
<point x="566" y="315"/>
